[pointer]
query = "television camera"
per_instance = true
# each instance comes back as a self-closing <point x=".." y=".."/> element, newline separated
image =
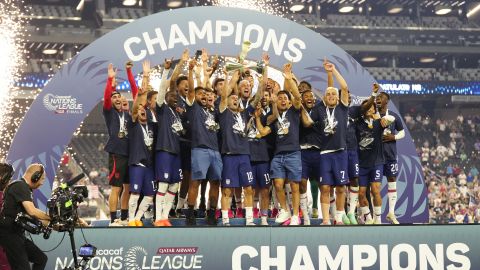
<point x="62" y="209"/>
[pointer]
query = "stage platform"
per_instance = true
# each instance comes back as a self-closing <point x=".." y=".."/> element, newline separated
<point x="273" y="247"/>
<point x="180" y="222"/>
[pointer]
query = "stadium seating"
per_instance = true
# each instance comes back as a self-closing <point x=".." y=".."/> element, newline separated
<point x="451" y="160"/>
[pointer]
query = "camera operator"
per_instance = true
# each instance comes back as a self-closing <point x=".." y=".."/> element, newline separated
<point x="18" y="198"/>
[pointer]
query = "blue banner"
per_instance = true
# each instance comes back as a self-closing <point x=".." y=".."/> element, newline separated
<point x="343" y="248"/>
<point x="430" y="88"/>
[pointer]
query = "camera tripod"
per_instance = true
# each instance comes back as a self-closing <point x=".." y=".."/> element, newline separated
<point x="82" y="265"/>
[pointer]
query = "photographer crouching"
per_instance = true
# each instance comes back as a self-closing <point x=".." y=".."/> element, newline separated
<point x="18" y="198"/>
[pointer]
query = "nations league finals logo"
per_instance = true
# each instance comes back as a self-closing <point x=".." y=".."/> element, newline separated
<point x="138" y="258"/>
<point x="62" y="104"/>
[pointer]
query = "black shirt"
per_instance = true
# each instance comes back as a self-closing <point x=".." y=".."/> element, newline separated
<point x="204" y="127"/>
<point x="370" y="145"/>
<point x="258" y="146"/>
<point x="16" y="192"/>
<point x="309" y="136"/>
<point x="118" y="139"/>
<point x="139" y="152"/>
<point x="286" y="128"/>
<point x="390" y="148"/>
<point x="354" y="114"/>
<point x="186" y="136"/>
<point x="170" y="127"/>
<point x="233" y="132"/>
<point x="333" y="129"/>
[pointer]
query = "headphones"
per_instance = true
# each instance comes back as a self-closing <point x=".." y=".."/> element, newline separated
<point x="36" y="176"/>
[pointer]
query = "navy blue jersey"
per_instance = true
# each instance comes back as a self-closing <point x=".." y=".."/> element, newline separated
<point x="353" y="115"/>
<point x="203" y="126"/>
<point x="233" y="132"/>
<point x="334" y="131"/>
<point x="287" y="131"/>
<point x="141" y="147"/>
<point x="152" y="116"/>
<point x="258" y="146"/>
<point x="370" y="145"/>
<point x="391" y="147"/>
<point x="170" y="128"/>
<point x="118" y="139"/>
<point x="184" y="109"/>
<point x="309" y="136"/>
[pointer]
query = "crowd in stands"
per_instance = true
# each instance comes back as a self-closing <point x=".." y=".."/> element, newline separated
<point x="449" y="151"/>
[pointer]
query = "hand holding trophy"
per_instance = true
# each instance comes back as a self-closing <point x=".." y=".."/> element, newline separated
<point x="240" y="65"/>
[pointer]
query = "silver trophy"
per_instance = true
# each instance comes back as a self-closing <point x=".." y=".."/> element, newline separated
<point x="233" y="66"/>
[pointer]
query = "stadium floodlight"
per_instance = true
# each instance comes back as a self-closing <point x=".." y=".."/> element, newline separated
<point x="174" y="3"/>
<point x="427" y="59"/>
<point x="129" y="3"/>
<point x="394" y="9"/>
<point x="296" y="6"/>
<point x="369" y="59"/>
<point x="80" y="5"/>
<point x="442" y="10"/>
<point x="50" y="51"/>
<point x="345" y="8"/>
<point x="472" y="11"/>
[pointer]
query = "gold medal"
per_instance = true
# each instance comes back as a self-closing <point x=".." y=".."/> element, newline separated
<point x="370" y="126"/>
<point x="121" y="134"/>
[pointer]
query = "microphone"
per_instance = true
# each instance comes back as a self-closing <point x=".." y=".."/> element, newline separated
<point x="74" y="180"/>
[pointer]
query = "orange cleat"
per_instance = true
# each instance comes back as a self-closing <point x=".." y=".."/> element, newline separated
<point x="158" y="223"/>
<point x="132" y="223"/>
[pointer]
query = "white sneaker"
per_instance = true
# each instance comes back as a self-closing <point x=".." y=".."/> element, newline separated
<point x="377" y="221"/>
<point x="226" y="221"/>
<point x="118" y="223"/>
<point x="282" y="216"/>
<point x="250" y="224"/>
<point x="392" y="218"/>
<point x="306" y="221"/>
<point x="264" y="221"/>
<point x="294" y="221"/>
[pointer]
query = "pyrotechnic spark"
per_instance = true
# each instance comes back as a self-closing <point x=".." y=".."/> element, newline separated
<point x="273" y="7"/>
<point x="12" y="40"/>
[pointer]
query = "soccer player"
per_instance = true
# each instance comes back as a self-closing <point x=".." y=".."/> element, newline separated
<point x="333" y="116"/>
<point x="206" y="162"/>
<point x="286" y="164"/>
<point x="259" y="156"/>
<point x="140" y="158"/>
<point x="369" y="130"/>
<point x="151" y="94"/>
<point x="116" y="120"/>
<point x="168" y="168"/>
<point x="310" y="143"/>
<point x="244" y="91"/>
<point x="237" y="171"/>
<point x="179" y="84"/>
<point x="353" y="169"/>
<point x="391" y="134"/>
